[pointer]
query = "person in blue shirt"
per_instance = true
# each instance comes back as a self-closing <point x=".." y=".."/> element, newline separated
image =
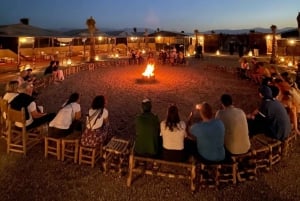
<point x="209" y="135"/>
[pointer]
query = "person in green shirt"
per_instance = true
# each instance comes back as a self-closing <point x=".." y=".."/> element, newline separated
<point x="147" y="128"/>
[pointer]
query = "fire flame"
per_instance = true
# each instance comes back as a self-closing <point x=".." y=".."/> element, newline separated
<point x="149" y="72"/>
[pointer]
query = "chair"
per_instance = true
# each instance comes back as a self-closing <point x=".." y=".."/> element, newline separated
<point x="19" y="139"/>
<point x="261" y="153"/>
<point x="53" y="147"/>
<point x="3" y="117"/>
<point x="89" y="155"/>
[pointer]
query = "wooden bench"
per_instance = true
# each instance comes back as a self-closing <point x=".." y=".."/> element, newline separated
<point x="158" y="167"/>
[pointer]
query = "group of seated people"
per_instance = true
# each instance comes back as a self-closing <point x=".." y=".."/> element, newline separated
<point x="67" y="120"/>
<point x="206" y="136"/>
<point x="54" y="71"/>
<point x="173" y="57"/>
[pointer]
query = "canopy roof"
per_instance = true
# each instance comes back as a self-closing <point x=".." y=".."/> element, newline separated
<point x="167" y="34"/>
<point x="22" y="30"/>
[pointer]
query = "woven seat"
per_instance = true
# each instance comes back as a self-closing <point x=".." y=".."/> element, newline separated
<point x="53" y="147"/>
<point x="246" y="166"/>
<point x="89" y="155"/>
<point x="288" y="144"/>
<point x="261" y="153"/>
<point x="274" y="148"/>
<point x="211" y="175"/>
<point x="115" y="154"/>
<point x="70" y="147"/>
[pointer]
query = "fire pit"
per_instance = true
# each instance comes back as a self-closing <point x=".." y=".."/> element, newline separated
<point x="148" y="75"/>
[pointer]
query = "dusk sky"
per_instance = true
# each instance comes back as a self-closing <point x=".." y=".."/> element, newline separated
<point x="172" y="15"/>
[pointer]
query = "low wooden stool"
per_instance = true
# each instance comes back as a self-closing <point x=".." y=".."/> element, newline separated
<point x="288" y="144"/>
<point x="246" y="166"/>
<point x="70" y="147"/>
<point x="228" y="172"/>
<point x="115" y="154"/>
<point x="209" y="175"/>
<point x="89" y="155"/>
<point x="274" y="147"/>
<point x="261" y="153"/>
<point x="53" y="147"/>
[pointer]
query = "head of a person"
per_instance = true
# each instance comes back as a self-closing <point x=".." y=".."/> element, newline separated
<point x="98" y="102"/>
<point x="57" y="63"/>
<point x="172" y="117"/>
<point x="206" y="111"/>
<point x="74" y="97"/>
<point x="265" y="92"/>
<point x="275" y="91"/>
<point x="226" y="100"/>
<point x="26" y="87"/>
<point x="146" y="105"/>
<point x="29" y="71"/>
<point x="52" y="63"/>
<point x="24" y="73"/>
<point x="12" y="86"/>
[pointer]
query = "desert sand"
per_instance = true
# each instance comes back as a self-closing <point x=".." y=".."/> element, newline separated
<point x="35" y="178"/>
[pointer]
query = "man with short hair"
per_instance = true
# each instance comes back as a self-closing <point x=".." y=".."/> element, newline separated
<point x="209" y="135"/>
<point x="147" y="127"/>
<point x="236" y="138"/>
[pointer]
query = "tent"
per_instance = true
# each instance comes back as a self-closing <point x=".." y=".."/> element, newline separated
<point x="22" y="30"/>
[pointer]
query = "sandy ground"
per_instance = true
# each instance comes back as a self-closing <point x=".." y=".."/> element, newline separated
<point x="36" y="178"/>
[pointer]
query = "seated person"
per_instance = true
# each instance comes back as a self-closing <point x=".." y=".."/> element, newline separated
<point x="49" y="69"/>
<point x="97" y="121"/>
<point x="209" y="135"/>
<point x="271" y="118"/>
<point x="173" y="133"/>
<point x="236" y="138"/>
<point x="24" y="99"/>
<point x="68" y="118"/>
<point x="11" y="90"/>
<point x="147" y="129"/>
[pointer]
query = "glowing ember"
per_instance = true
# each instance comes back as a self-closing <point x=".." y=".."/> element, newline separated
<point x="149" y="72"/>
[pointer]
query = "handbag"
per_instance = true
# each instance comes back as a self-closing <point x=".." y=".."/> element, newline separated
<point x="90" y="136"/>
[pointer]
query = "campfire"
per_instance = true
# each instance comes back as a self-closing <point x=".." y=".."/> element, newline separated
<point x="149" y="72"/>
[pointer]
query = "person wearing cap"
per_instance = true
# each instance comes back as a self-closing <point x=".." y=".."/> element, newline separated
<point x="147" y="128"/>
<point x="271" y="118"/>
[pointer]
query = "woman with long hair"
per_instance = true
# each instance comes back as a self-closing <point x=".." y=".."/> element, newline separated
<point x="97" y="130"/>
<point x="173" y="132"/>
<point x="68" y="117"/>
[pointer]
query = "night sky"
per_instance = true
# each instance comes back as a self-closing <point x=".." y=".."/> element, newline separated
<point x="173" y="15"/>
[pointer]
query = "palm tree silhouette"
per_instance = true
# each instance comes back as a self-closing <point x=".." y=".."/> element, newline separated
<point x="273" y="53"/>
<point x="92" y="28"/>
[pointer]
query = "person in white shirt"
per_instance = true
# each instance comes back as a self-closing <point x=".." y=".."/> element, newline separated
<point x="67" y="119"/>
<point x="173" y="132"/>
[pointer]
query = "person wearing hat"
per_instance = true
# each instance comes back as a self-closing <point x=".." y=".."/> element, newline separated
<point x="271" y="118"/>
<point x="147" y="128"/>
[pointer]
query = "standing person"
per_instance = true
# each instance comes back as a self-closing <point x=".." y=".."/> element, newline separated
<point x="271" y="118"/>
<point x="236" y="139"/>
<point x="173" y="133"/>
<point x="147" y="128"/>
<point x="97" y="122"/>
<point x="58" y="73"/>
<point x="24" y="99"/>
<point x="209" y="135"/>
<point x="68" y="118"/>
